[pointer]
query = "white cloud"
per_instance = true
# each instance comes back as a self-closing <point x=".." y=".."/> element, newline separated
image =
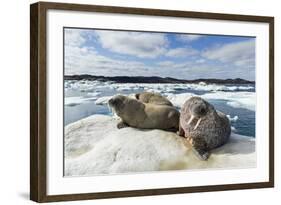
<point x="201" y="60"/>
<point x="142" y="45"/>
<point x="73" y="37"/>
<point x="241" y="54"/>
<point x="189" y="37"/>
<point x="166" y="63"/>
<point x="181" y="52"/>
<point x="82" y="58"/>
<point x="88" y="61"/>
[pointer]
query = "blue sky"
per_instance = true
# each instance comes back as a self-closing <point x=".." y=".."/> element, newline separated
<point x="182" y="56"/>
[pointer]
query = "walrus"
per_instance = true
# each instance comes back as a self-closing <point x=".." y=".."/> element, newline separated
<point x="153" y="98"/>
<point x="136" y="114"/>
<point x="203" y="126"/>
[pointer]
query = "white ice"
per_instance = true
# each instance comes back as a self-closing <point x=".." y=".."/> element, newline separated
<point x="88" y="86"/>
<point x="72" y="101"/>
<point x="232" y="119"/>
<point x="179" y="99"/>
<point x="95" y="146"/>
<point x="245" y="100"/>
<point x="102" y="100"/>
<point x="235" y="99"/>
<point x="173" y="87"/>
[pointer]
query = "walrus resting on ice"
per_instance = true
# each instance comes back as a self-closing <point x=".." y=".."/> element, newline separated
<point x="136" y="114"/>
<point x="203" y="126"/>
<point x="153" y="98"/>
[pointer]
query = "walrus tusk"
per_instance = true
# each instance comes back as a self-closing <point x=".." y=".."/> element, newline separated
<point x="190" y="120"/>
<point x="197" y="124"/>
<point x="109" y="108"/>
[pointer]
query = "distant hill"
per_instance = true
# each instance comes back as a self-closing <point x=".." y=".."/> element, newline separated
<point x="155" y="79"/>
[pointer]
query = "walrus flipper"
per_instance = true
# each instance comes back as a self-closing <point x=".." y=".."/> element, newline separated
<point x="201" y="154"/>
<point x="181" y="132"/>
<point x="200" y="148"/>
<point x="122" y="124"/>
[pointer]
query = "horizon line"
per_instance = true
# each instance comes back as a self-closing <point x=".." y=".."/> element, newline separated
<point x="159" y="77"/>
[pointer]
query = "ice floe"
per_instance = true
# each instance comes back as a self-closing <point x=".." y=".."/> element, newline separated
<point x="235" y="99"/>
<point x="93" y="94"/>
<point x="245" y="100"/>
<point x="87" y="86"/>
<point x="95" y="146"/>
<point x="232" y="119"/>
<point x="238" y="97"/>
<point x="102" y="100"/>
<point x="179" y="99"/>
<point x="169" y="87"/>
<point x="73" y="101"/>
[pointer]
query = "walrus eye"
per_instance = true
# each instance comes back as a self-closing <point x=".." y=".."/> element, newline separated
<point x="202" y="110"/>
<point x="111" y="101"/>
<point x="117" y="102"/>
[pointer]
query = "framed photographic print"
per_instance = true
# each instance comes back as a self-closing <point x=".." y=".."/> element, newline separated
<point x="134" y="102"/>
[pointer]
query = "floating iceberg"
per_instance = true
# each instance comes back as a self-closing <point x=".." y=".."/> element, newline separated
<point x="81" y="85"/>
<point x="235" y="99"/>
<point x="102" y="100"/>
<point x="232" y="119"/>
<point x="169" y="87"/>
<point x="93" y="94"/>
<point x="88" y="86"/>
<point x="95" y="146"/>
<point x="245" y="100"/>
<point x="179" y="99"/>
<point x="73" y="101"/>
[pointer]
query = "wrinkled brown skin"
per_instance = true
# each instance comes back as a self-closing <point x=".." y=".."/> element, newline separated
<point x="153" y="98"/>
<point x="136" y="114"/>
<point x="213" y="131"/>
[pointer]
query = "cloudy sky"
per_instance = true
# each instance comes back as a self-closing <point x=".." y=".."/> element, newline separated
<point x="182" y="56"/>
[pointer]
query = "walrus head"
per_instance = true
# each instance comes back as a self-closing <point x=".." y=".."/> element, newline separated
<point x="117" y="103"/>
<point x="198" y="108"/>
<point x="123" y="105"/>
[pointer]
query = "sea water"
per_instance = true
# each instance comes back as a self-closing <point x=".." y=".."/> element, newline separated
<point x="84" y="98"/>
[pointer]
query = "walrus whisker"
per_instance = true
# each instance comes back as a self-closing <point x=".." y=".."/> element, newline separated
<point x="190" y="120"/>
<point x="197" y="124"/>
